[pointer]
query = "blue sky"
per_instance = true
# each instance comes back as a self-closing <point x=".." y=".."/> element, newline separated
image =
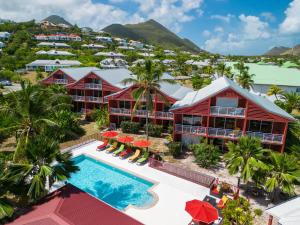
<point x="246" y="27"/>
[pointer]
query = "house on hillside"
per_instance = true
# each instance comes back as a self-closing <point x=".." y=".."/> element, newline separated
<point x="51" y="65"/>
<point x="104" y="39"/>
<point x="53" y="44"/>
<point x="110" y="54"/>
<point x="93" y="46"/>
<point x="54" y="52"/>
<point x="113" y="63"/>
<point x="57" y="37"/>
<point x="4" y="35"/>
<point x="136" y="44"/>
<point x="223" y="111"/>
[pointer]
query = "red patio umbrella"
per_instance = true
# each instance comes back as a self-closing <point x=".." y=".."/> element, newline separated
<point x="142" y="143"/>
<point x="110" y="134"/>
<point x="201" y="211"/>
<point x="125" y="139"/>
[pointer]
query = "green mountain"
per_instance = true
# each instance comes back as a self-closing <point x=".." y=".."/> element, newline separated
<point x="153" y="33"/>
<point x="276" y="51"/>
<point x="57" y="20"/>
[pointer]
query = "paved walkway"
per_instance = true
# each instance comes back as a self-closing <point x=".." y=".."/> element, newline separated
<point x="172" y="192"/>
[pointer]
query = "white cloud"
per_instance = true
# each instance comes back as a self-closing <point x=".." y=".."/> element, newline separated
<point x="219" y="29"/>
<point x="268" y="16"/>
<point x="227" y="18"/>
<point x="206" y="33"/>
<point x="254" y="28"/>
<point x="291" y="24"/>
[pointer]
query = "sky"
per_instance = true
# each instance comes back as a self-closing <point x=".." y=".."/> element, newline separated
<point x="236" y="27"/>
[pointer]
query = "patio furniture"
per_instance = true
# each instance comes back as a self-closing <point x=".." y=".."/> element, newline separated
<point x="103" y="145"/>
<point x="125" y="153"/>
<point x="115" y="153"/>
<point x="221" y="204"/>
<point x="211" y="200"/>
<point x="143" y="159"/>
<point x="135" y="156"/>
<point x="112" y="148"/>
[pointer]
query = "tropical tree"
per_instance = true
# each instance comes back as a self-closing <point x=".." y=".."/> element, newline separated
<point x="245" y="80"/>
<point x="290" y="101"/>
<point x="283" y="174"/>
<point x="6" y="209"/>
<point x="147" y="80"/>
<point x="275" y="90"/>
<point x="199" y="82"/>
<point x="245" y="157"/>
<point x="223" y="70"/>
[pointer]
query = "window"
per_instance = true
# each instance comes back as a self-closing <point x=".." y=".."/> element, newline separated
<point x="298" y="89"/>
<point x="227" y="102"/>
<point x="124" y="104"/>
<point x="192" y="120"/>
<point x="260" y="126"/>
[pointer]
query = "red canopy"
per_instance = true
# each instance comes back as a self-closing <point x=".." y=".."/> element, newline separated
<point x="125" y="139"/>
<point x="142" y="143"/>
<point x="110" y="134"/>
<point x="201" y="211"/>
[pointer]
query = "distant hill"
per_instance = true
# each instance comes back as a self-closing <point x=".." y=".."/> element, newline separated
<point x="293" y="51"/>
<point x="57" y="20"/>
<point x="277" y="51"/>
<point x="153" y="33"/>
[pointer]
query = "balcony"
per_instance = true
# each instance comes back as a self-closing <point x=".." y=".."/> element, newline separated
<point x="93" y="86"/>
<point x="228" y="133"/>
<point x="267" y="137"/>
<point x="143" y="113"/>
<point x="94" y="99"/>
<point x="164" y="115"/>
<point x="60" y="81"/>
<point x="198" y="130"/>
<point x="77" y="98"/>
<point x="120" y="111"/>
<point x="227" y="111"/>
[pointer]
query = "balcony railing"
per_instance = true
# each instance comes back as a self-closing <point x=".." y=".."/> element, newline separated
<point x="143" y="113"/>
<point x="220" y="132"/>
<point x="167" y="115"/>
<point x="94" y="99"/>
<point x="229" y="111"/>
<point x="190" y="129"/>
<point x="121" y="111"/>
<point x="267" y="137"/>
<point x="61" y="81"/>
<point x="77" y="98"/>
<point x="93" y="86"/>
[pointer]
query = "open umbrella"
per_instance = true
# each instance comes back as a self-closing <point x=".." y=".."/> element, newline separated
<point x="201" y="211"/>
<point x="110" y="134"/>
<point x="142" y="143"/>
<point x="125" y="139"/>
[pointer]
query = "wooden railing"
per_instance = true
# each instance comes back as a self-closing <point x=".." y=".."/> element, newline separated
<point x="66" y="146"/>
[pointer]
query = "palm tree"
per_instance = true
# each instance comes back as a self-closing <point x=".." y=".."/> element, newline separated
<point x="6" y="209"/>
<point x="147" y="80"/>
<point x="45" y="164"/>
<point x="245" y="157"/>
<point x="291" y="101"/>
<point x="283" y="174"/>
<point x="245" y="80"/>
<point x="274" y="90"/>
<point x="222" y="70"/>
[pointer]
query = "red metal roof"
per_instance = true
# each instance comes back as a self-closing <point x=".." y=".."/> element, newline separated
<point x="71" y="206"/>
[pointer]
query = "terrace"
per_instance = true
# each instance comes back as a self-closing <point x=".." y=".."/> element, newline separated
<point x="94" y="86"/>
<point x="227" y="111"/>
<point x="142" y="113"/>
<point x="197" y="130"/>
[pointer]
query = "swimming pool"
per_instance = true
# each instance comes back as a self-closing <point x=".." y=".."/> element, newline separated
<point x="112" y="185"/>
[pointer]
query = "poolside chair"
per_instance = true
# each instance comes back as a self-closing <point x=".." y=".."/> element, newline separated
<point x="135" y="156"/>
<point x="103" y="145"/>
<point x="143" y="159"/>
<point x="112" y="148"/>
<point x="221" y="204"/>
<point x="115" y="153"/>
<point x="125" y="153"/>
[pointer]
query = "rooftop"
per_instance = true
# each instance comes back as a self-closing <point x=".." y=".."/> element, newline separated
<point x="41" y="62"/>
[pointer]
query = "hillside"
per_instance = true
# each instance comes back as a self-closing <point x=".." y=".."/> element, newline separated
<point x="293" y="51"/>
<point x="57" y="20"/>
<point x="276" y="51"/>
<point x="153" y="33"/>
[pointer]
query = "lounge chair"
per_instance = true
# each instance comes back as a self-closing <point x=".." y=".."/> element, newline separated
<point x="221" y="204"/>
<point x="103" y="145"/>
<point x="112" y="148"/>
<point x="143" y="159"/>
<point x="135" y="156"/>
<point x="115" y="153"/>
<point x="125" y="153"/>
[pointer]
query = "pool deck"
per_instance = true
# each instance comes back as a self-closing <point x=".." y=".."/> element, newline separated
<point x="172" y="192"/>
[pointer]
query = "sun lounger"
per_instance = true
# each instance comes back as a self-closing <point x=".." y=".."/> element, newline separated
<point x="115" y="153"/>
<point x="112" y="148"/>
<point x="143" y="159"/>
<point x="103" y="145"/>
<point x="135" y="156"/>
<point x="125" y="153"/>
<point x="221" y="204"/>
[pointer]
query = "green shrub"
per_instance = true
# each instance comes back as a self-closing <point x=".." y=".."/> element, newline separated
<point x="154" y="130"/>
<point x="170" y="129"/>
<point x="175" y="148"/>
<point x="130" y="127"/>
<point x="206" y="154"/>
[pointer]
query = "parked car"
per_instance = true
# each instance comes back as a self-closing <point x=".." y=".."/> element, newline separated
<point x="5" y="83"/>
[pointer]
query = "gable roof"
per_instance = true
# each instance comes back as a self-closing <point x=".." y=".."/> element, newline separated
<point x="77" y="73"/>
<point x="222" y="84"/>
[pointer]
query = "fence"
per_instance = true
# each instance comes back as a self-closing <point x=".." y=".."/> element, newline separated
<point x="66" y="146"/>
<point x="193" y="176"/>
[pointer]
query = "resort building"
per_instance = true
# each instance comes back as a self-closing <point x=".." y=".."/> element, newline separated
<point x="110" y="54"/>
<point x="113" y="63"/>
<point x="54" y="52"/>
<point x="93" y="46"/>
<point x="265" y="76"/>
<point x="57" y="37"/>
<point x="104" y="39"/>
<point x="224" y="111"/>
<point x="51" y="65"/>
<point x="53" y="44"/>
<point x="136" y="44"/>
<point x="4" y="35"/>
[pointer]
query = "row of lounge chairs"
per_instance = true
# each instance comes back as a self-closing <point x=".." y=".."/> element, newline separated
<point x="123" y="152"/>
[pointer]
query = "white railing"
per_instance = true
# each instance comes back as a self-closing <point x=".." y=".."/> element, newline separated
<point x="120" y="111"/>
<point x="168" y="115"/>
<point x="190" y="129"/>
<point x="267" y="137"/>
<point x="220" y="132"/>
<point x="143" y="113"/>
<point x="230" y="111"/>
<point x="93" y="86"/>
<point x="94" y="99"/>
<point x="77" y="98"/>
<point x="61" y="81"/>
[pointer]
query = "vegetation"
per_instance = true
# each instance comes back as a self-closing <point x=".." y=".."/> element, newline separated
<point x="175" y="149"/>
<point x="155" y="130"/>
<point x="275" y="90"/>
<point x="244" y="78"/>
<point x="130" y="127"/>
<point x="223" y="70"/>
<point x="199" y="82"/>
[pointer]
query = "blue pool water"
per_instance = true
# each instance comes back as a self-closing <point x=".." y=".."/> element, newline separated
<point x="113" y="186"/>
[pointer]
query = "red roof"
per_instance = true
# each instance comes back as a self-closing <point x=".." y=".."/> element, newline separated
<point x="71" y="206"/>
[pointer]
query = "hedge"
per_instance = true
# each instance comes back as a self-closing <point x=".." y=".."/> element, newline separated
<point x="130" y="127"/>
